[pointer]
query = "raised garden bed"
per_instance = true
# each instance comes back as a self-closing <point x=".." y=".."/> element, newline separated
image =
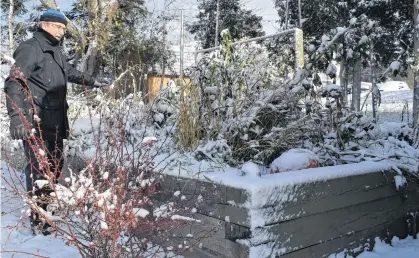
<point x="306" y="213"/>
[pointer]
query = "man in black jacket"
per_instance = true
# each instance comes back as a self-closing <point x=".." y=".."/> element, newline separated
<point x="37" y="89"/>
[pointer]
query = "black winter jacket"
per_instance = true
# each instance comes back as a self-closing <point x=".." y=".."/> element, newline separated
<point x="46" y="72"/>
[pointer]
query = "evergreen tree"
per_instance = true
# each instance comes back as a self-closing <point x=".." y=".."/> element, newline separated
<point x="240" y="22"/>
<point x="20" y="29"/>
<point x="392" y="22"/>
<point x="349" y="31"/>
<point x="133" y="41"/>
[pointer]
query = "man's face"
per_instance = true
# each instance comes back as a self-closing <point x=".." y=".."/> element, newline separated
<point x="56" y="29"/>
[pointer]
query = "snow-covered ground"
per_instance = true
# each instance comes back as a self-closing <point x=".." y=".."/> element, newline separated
<point x="395" y="104"/>
<point x="4" y="71"/>
<point x="403" y="248"/>
<point x="17" y="239"/>
<point x="396" y="101"/>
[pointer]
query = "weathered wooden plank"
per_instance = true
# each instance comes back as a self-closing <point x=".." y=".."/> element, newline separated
<point x="354" y="243"/>
<point x="205" y="197"/>
<point x="307" y="231"/>
<point x="208" y="190"/>
<point x="307" y="205"/>
<point x="228" y="213"/>
<point x="234" y="231"/>
<point x="304" y="193"/>
<point x="279" y="213"/>
<point x="205" y="239"/>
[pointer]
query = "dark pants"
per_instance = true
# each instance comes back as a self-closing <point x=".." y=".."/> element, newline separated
<point x="54" y="152"/>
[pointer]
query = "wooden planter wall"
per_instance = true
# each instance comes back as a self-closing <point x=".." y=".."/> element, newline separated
<point x="313" y="219"/>
<point x="308" y="220"/>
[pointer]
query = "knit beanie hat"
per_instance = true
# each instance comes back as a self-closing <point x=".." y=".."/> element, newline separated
<point x="53" y="16"/>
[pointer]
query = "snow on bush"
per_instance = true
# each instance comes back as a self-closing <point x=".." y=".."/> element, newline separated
<point x="294" y="159"/>
<point x="260" y="115"/>
<point x="104" y="207"/>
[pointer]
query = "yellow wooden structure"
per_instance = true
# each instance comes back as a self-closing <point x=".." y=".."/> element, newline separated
<point x="154" y="81"/>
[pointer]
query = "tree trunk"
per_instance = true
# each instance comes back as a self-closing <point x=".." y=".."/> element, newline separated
<point x="373" y="85"/>
<point x="416" y="72"/>
<point x="163" y="64"/>
<point x="286" y="14"/>
<point x="343" y="83"/>
<point x="356" y="86"/>
<point x="92" y="58"/>
<point x="11" y="38"/>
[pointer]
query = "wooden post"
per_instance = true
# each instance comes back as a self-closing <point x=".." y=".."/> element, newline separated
<point x="299" y="49"/>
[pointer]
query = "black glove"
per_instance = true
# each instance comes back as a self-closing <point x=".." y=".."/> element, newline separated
<point x="18" y="131"/>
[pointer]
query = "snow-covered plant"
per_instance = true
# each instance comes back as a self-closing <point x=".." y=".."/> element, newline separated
<point x="359" y="138"/>
<point x="226" y="79"/>
<point x="165" y="107"/>
<point x="217" y="150"/>
<point x="105" y="207"/>
<point x="273" y="121"/>
<point x="245" y="99"/>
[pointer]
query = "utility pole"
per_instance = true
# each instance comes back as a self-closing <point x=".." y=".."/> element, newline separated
<point x="373" y="85"/>
<point x="300" y="24"/>
<point x="181" y="46"/>
<point x="416" y="66"/>
<point x="216" y="23"/>
<point x="286" y="14"/>
<point x="163" y="67"/>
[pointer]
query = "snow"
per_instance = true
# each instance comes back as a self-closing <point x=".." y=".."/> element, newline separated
<point x="394" y="102"/>
<point x="352" y="21"/>
<point x="179" y="217"/>
<point x="251" y="169"/>
<point x="393" y="86"/>
<point x="395" y="66"/>
<point x="405" y="248"/>
<point x="17" y="238"/>
<point x="400" y="181"/>
<point x="333" y="90"/>
<point x="141" y="212"/>
<point x="331" y="70"/>
<point x="177" y="193"/>
<point x="149" y="139"/>
<point x="41" y="183"/>
<point x="8" y="59"/>
<point x="105" y="175"/>
<point x="363" y="40"/>
<point x="294" y="159"/>
<point x="84" y="126"/>
<point x="41" y="152"/>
